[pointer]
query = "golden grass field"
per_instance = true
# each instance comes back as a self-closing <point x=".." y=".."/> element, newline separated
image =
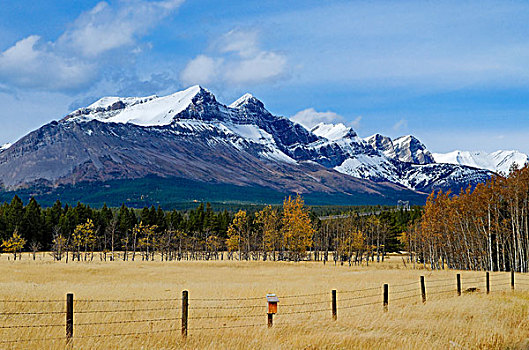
<point x="472" y="321"/>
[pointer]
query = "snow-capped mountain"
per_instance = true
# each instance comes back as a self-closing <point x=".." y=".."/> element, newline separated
<point x="499" y="161"/>
<point x="405" y="161"/>
<point x="191" y="135"/>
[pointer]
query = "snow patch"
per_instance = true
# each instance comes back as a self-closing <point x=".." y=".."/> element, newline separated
<point x="5" y="146"/>
<point x="369" y="167"/>
<point x="332" y="132"/>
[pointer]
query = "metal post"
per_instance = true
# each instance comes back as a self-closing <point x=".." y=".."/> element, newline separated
<point x="458" y="284"/>
<point x="488" y="283"/>
<point x="270" y="320"/>
<point x="512" y="279"/>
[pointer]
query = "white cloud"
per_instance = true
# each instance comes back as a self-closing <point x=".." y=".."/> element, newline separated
<point x="201" y="70"/>
<point x="33" y="64"/>
<point x="262" y="67"/>
<point x="105" y="28"/>
<point x="310" y="117"/>
<point x="355" y="124"/>
<point x="245" y="44"/>
<point x="238" y="59"/>
<point x="74" y="59"/>
<point x="401" y="124"/>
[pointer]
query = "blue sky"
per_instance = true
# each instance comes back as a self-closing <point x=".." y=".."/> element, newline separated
<point x="453" y="73"/>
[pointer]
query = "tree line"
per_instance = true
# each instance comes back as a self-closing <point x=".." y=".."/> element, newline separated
<point x="288" y="232"/>
<point x="81" y="229"/>
<point x="485" y="228"/>
<point x="354" y="238"/>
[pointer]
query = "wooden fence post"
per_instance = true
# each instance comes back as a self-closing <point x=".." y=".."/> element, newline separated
<point x="423" y="290"/>
<point x="270" y="320"/>
<point x="386" y="297"/>
<point x="458" y="277"/>
<point x="69" y="317"/>
<point x="334" y="307"/>
<point x="185" y="312"/>
<point x="488" y="283"/>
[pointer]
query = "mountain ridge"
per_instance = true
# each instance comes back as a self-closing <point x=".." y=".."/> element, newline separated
<point x="189" y="134"/>
<point x="499" y="161"/>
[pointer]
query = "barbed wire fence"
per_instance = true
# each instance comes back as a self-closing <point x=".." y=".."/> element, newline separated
<point x="185" y="314"/>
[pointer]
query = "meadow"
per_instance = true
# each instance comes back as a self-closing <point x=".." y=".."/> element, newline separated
<point x="136" y="305"/>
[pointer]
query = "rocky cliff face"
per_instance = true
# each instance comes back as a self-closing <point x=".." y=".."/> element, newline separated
<point x="410" y="150"/>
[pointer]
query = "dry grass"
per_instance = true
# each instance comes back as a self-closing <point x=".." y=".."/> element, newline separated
<point x="474" y="320"/>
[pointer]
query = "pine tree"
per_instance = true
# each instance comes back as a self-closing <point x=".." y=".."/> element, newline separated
<point x="32" y="228"/>
<point x="14" y="215"/>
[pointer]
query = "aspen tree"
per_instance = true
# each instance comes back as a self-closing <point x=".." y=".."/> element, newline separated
<point x="238" y="233"/>
<point x="297" y="227"/>
<point x="14" y="244"/>
<point x="269" y="221"/>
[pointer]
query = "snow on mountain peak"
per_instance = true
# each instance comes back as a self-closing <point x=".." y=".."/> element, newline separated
<point x="5" y="146"/>
<point x="333" y="132"/>
<point x="144" y="111"/>
<point x="241" y="100"/>
<point x="499" y="161"/>
<point x="109" y="101"/>
<point x="405" y="138"/>
<point x="249" y="102"/>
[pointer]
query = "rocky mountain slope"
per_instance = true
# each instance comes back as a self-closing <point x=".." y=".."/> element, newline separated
<point x="191" y="135"/>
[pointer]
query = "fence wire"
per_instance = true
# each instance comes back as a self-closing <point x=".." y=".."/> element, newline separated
<point x="125" y="310"/>
<point x="127" y="321"/>
<point x="227" y="327"/>
<point x="434" y="287"/>
<point x="125" y="300"/>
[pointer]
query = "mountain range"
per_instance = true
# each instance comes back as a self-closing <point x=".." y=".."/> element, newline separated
<point x="191" y="136"/>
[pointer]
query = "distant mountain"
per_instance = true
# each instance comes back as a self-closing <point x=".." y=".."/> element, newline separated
<point x="499" y="161"/>
<point x="190" y="135"/>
